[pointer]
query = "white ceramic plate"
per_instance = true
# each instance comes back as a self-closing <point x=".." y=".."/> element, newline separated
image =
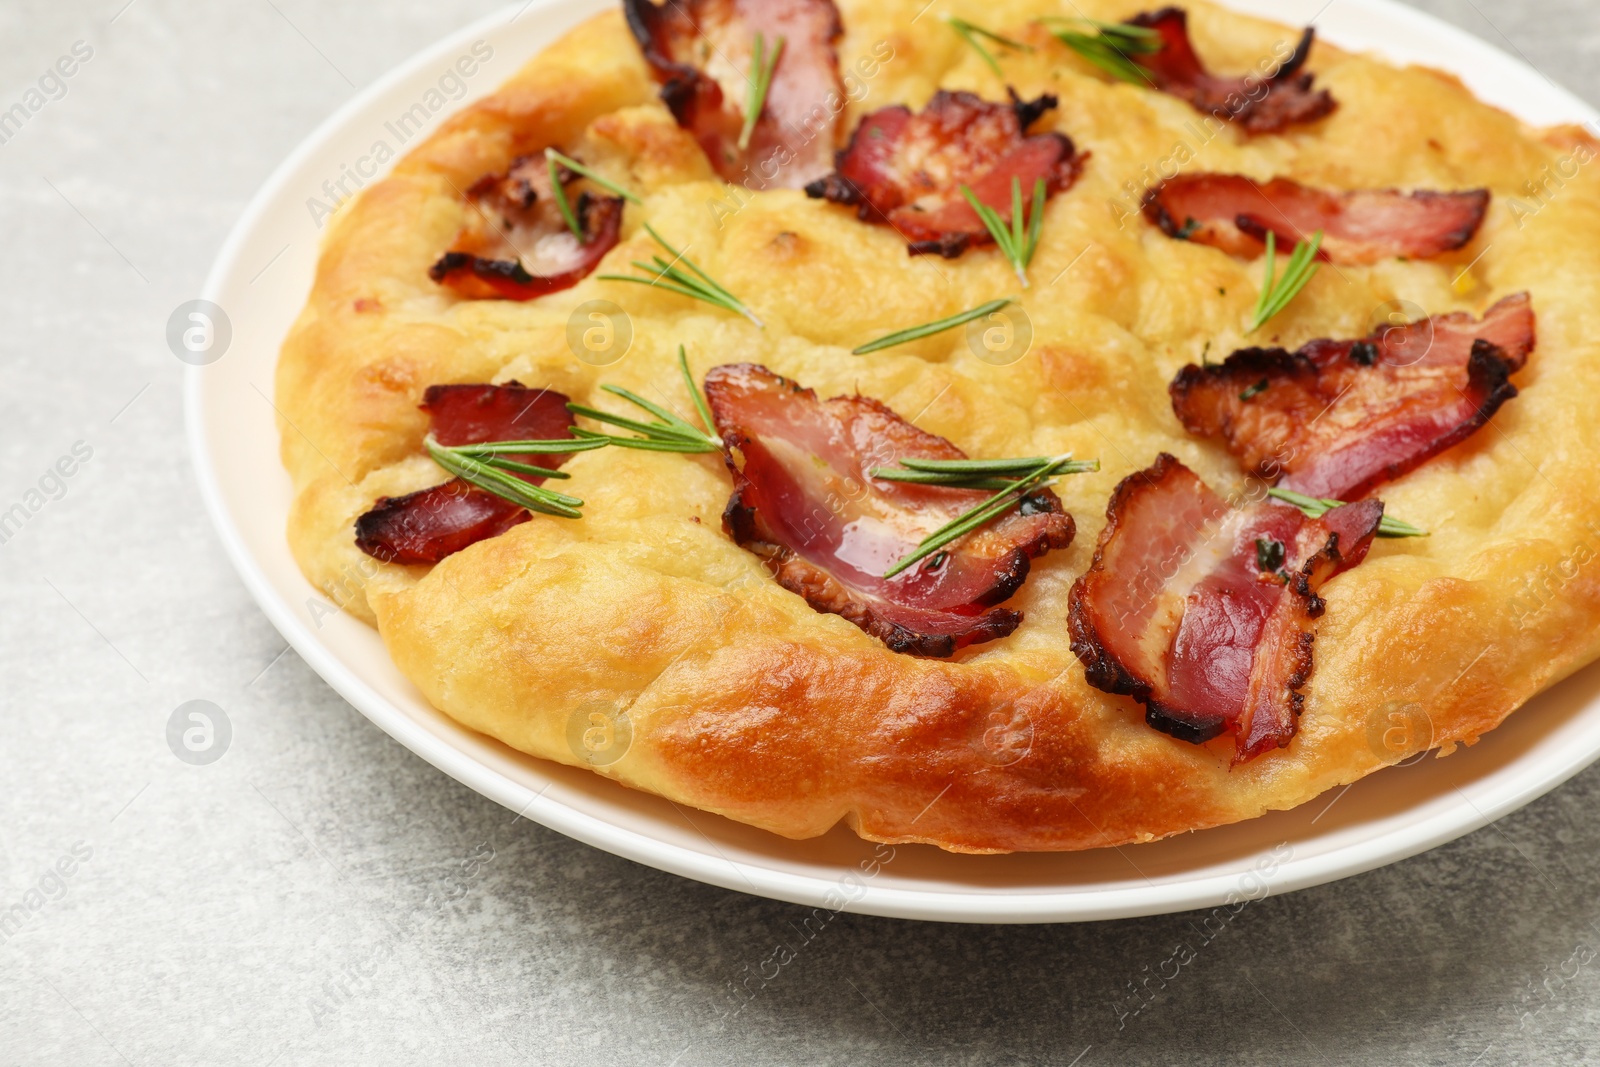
<point x="261" y="279"/>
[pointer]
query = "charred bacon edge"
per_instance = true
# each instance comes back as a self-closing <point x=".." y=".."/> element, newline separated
<point x="685" y="89"/>
<point x="601" y="217"/>
<point x="1101" y="668"/>
<point x="1253" y="737"/>
<point x="1488" y="387"/>
<point x="1447" y="241"/>
<point x="680" y="82"/>
<point x="836" y="188"/>
<point x="1155" y="210"/>
<point x="380" y="527"/>
<point x="827" y="594"/>
<point x="1317" y="104"/>
<point x="1105" y="671"/>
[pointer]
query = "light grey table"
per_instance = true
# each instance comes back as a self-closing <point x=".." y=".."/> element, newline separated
<point x="320" y="895"/>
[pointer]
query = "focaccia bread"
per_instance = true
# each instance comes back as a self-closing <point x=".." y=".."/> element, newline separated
<point x="741" y="698"/>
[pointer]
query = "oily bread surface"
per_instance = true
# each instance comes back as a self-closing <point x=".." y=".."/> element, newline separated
<point x="740" y="698"/>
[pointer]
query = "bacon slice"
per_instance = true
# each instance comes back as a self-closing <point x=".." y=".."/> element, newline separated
<point x="804" y="501"/>
<point x="703" y="52"/>
<point x="516" y="245"/>
<point x="1259" y="105"/>
<point x="1337" y="418"/>
<point x="430" y="524"/>
<point x="906" y="170"/>
<point x="1206" y="614"/>
<point x="1235" y="214"/>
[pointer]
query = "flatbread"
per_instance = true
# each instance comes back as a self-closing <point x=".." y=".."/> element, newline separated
<point x="734" y="696"/>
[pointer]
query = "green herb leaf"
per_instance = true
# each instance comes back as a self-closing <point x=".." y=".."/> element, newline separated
<point x="491" y="476"/>
<point x="760" y="80"/>
<point x="1315" y="508"/>
<point x="1013" y="478"/>
<point x="927" y="329"/>
<point x="562" y="203"/>
<point x="1112" y="47"/>
<point x="970" y="32"/>
<point x="956" y="467"/>
<point x="578" y="168"/>
<point x="925" y="478"/>
<point x="1259" y="387"/>
<point x="1278" y="292"/>
<point x="668" y="433"/>
<point x="698" y="397"/>
<point x="1020" y="239"/>
<point x="490" y="449"/>
<point x="525" y="468"/>
<point x="1141" y="38"/>
<point x="697" y="286"/>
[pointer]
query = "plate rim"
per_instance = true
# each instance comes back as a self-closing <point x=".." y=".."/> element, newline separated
<point x="1055" y="905"/>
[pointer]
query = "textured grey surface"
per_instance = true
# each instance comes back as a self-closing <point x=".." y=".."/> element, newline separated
<point x="320" y="895"/>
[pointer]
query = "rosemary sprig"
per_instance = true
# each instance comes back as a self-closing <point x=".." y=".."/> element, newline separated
<point x="668" y="433"/>
<point x="1014" y="478"/>
<point x="759" y="80"/>
<point x="1277" y="292"/>
<point x="485" y="466"/>
<point x="698" y="286"/>
<point x="578" y="168"/>
<point x="927" y="329"/>
<point x="562" y="203"/>
<point x="1018" y="241"/>
<point x="492" y="452"/>
<point x="970" y="32"/>
<point x="975" y="473"/>
<point x="1315" y="508"/>
<point x="1111" y="47"/>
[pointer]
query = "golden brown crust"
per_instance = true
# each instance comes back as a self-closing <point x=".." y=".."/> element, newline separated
<point x="744" y="701"/>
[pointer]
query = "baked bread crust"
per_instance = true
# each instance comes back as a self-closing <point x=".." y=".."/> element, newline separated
<point x="744" y="701"/>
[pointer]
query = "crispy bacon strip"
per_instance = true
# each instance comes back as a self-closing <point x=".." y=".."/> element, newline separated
<point x="1337" y="418"/>
<point x="430" y="524"/>
<point x="906" y="170"/>
<point x="516" y="245"/>
<point x="805" y="502"/>
<point x="1235" y="214"/>
<point x="1205" y="613"/>
<point x="1259" y="105"/>
<point x="702" y="51"/>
